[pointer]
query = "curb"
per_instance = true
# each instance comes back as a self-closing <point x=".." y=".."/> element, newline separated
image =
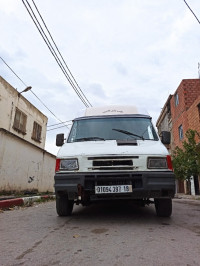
<point x="188" y="197"/>
<point x="4" y="204"/>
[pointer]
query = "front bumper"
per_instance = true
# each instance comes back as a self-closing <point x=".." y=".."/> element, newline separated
<point x="144" y="184"/>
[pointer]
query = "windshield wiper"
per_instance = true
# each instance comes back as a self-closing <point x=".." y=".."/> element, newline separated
<point x="128" y="133"/>
<point x="89" y="139"/>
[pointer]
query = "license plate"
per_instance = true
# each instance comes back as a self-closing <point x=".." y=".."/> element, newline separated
<point x="113" y="189"/>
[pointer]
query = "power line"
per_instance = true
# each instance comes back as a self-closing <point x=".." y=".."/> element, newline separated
<point x="48" y="108"/>
<point x="60" y="52"/>
<point x="32" y="91"/>
<point x="12" y="71"/>
<point x="75" y="86"/>
<point x="59" y="123"/>
<point x="58" y="127"/>
<point x="192" y="11"/>
<point x="46" y="40"/>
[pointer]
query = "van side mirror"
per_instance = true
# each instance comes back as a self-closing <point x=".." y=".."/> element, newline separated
<point x="165" y="137"/>
<point x="59" y="140"/>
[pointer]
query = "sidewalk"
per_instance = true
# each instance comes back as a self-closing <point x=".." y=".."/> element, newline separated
<point x="184" y="196"/>
<point x="10" y="201"/>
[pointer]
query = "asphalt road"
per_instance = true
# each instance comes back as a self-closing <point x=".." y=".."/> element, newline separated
<point x="103" y="234"/>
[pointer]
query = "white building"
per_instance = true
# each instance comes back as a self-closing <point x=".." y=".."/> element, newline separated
<point x="24" y="164"/>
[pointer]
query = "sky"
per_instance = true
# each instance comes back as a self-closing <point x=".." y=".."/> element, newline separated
<point x="121" y="52"/>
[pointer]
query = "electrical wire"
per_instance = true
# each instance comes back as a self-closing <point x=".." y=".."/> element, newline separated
<point x="48" y="109"/>
<point x="60" y="52"/>
<point x="192" y="11"/>
<point x="46" y="40"/>
<point x="75" y="86"/>
<point x="13" y="71"/>
<point x="57" y="127"/>
<point x="33" y="92"/>
<point x="59" y="123"/>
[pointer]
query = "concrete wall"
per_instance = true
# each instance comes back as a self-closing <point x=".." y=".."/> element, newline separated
<point x="10" y="99"/>
<point x="24" y="166"/>
<point x="164" y="122"/>
<point x="164" y="125"/>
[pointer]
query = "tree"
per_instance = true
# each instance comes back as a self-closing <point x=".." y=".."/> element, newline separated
<point x="186" y="161"/>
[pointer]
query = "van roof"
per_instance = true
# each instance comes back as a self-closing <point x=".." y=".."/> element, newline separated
<point x="114" y="110"/>
<point x="111" y="116"/>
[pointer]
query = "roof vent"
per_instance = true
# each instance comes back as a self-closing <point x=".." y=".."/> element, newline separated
<point x="127" y="142"/>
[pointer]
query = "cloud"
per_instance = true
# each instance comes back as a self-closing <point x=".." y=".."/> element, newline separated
<point x="96" y="89"/>
<point x="121" y="69"/>
<point x="120" y="52"/>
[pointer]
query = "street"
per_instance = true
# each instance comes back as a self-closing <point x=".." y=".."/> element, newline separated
<point x="104" y="234"/>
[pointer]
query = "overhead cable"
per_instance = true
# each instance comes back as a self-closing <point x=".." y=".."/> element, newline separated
<point x="192" y="11"/>
<point x="60" y="52"/>
<point x="50" y="45"/>
<point x="32" y="92"/>
<point x="49" y="109"/>
<point x="59" y="123"/>
<point x="53" y="52"/>
<point x="57" y="127"/>
<point x="12" y="71"/>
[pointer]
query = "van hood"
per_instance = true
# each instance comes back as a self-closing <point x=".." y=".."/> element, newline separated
<point x="110" y="147"/>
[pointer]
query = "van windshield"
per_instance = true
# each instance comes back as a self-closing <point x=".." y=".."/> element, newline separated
<point x="112" y="128"/>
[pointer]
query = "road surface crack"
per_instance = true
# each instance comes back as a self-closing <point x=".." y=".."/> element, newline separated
<point x="30" y="250"/>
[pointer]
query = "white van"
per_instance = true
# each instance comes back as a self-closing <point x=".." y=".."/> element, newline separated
<point x="114" y="153"/>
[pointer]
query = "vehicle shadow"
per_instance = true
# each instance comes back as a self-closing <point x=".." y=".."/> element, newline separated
<point x="119" y="212"/>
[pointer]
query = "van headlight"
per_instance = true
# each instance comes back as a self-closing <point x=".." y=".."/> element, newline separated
<point x="157" y="163"/>
<point x="69" y="164"/>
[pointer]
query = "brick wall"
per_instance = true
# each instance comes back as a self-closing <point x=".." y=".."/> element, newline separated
<point x="193" y="116"/>
<point x="191" y="89"/>
<point x="186" y="112"/>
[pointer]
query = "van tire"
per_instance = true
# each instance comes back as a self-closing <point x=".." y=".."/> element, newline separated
<point x="163" y="207"/>
<point x="64" y="206"/>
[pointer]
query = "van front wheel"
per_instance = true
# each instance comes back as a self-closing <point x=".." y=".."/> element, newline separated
<point x="64" y="206"/>
<point x="163" y="207"/>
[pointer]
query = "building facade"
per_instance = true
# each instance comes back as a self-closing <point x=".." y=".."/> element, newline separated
<point x="164" y="122"/>
<point x="180" y="113"/>
<point x="24" y="164"/>
<point x="185" y="110"/>
<point x="20" y="117"/>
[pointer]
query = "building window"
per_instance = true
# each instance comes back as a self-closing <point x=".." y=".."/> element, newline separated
<point x="176" y="99"/>
<point x="180" y="131"/>
<point x="198" y="106"/>
<point x="37" y="130"/>
<point x="20" y="121"/>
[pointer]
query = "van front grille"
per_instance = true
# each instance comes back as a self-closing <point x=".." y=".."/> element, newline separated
<point x="113" y="163"/>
